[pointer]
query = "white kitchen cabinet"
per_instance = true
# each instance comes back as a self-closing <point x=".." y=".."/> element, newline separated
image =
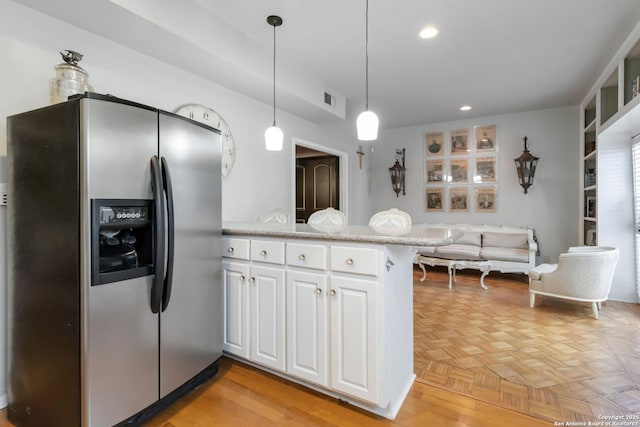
<point x="267" y="295"/>
<point x="355" y="337"/>
<point x="236" y="310"/>
<point x="342" y="317"/>
<point x="335" y="316"/>
<point x="254" y="292"/>
<point x="307" y="326"/>
<point x="349" y="326"/>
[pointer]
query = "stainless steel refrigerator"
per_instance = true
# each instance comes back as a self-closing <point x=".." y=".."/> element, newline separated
<point x="114" y="279"/>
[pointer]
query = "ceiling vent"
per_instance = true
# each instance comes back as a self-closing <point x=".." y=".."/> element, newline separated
<point x="329" y="99"/>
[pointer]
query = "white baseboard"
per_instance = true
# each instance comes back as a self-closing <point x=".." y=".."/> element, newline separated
<point x="3" y="401"/>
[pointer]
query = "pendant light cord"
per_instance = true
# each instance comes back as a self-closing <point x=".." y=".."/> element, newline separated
<point x="274" y="75"/>
<point x="366" y="54"/>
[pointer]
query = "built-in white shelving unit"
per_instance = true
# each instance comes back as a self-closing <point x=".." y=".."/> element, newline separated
<point x="609" y="118"/>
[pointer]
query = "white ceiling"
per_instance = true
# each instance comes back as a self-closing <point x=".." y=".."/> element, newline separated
<point x="498" y="56"/>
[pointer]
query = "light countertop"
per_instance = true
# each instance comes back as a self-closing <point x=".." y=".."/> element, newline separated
<point x="417" y="235"/>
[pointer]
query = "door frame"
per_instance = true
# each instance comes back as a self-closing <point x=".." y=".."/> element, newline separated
<point x="342" y="176"/>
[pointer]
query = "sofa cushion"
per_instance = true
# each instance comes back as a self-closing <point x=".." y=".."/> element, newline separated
<point x="505" y="240"/>
<point x="426" y="250"/>
<point x="458" y="251"/>
<point x="470" y="238"/>
<point x="504" y="254"/>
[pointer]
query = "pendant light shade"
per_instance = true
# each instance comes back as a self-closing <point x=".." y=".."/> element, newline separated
<point x="273" y="137"/>
<point x="367" y="126"/>
<point x="367" y="123"/>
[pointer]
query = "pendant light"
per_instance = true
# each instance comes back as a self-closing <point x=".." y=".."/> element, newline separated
<point x="273" y="137"/>
<point x="367" y="123"/>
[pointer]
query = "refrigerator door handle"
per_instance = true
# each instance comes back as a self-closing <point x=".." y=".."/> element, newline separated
<point x="159" y="237"/>
<point x="168" y="279"/>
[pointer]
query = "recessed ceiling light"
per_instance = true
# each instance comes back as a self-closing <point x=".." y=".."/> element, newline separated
<point x="465" y="108"/>
<point x="428" y="32"/>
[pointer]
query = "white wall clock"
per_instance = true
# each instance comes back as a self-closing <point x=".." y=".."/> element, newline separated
<point x="206" y="115"/>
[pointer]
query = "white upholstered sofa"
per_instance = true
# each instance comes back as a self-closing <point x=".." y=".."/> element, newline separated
<point x="508" y="249"/>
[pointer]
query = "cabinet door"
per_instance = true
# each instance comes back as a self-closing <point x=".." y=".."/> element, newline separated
<point x="355" y="338"/>
<point x="236" y="308"/>
<point x="307" y="326"/>
<point x="267" y="316"/>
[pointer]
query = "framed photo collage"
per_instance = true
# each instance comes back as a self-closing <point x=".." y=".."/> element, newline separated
<point x="461" y="170"/>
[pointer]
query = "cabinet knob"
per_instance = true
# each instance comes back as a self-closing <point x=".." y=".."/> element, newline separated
<point x="230" y="250"/>
<point x="263" y="252"/>
<point x="349" y="261"/>
<point x="318" y="291"/>
<point x="252" y="279"/>
<point x="332" y="292"/>
<point x="302" y="257"/>
<point x="242" y="278"/>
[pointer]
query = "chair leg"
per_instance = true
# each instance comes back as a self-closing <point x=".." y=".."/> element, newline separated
<point x="599" y="305"/>
<point x="532" y="299"/>
<point x="594" y="305"/>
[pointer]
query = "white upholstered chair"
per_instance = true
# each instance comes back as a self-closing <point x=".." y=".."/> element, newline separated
<point x="392" y="221"/>
<point x="275" y="216"/>
<point x="583" y="273"/>
<point x="328" y="217"/>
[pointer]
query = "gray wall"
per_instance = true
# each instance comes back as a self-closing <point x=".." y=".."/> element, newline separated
<point x="551" y="205"/>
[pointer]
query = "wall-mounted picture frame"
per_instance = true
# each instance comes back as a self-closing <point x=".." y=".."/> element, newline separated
<point x="434" y="144"/>
<point x="434" y="199"/>
<point x="486" y="199"/>
<point x="434" y="171"/>
<point x="459" y="141"/>
<point x="485" y="138"/>
<point x="458" y="171"/>
<point x="459" y="199"/>
<point x="486" y="169"/>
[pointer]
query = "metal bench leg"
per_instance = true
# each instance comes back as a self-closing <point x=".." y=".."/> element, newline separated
<point x="424" y="271"/>
<point x="485" y="272"/>
<point x="452" y="272"/>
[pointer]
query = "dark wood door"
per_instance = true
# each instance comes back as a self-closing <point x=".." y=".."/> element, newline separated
<point x="317" y="185"/>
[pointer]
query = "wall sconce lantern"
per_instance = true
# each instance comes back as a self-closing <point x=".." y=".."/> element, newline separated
<point x="526" y="167"/>
<point x="397" y="172"/>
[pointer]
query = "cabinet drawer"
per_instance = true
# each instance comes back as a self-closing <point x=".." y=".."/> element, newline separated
<point x="354" y="260"/>
<point x="235" y="248"/>
<point x="305" y="255"/>
<point x="267" y="251"/>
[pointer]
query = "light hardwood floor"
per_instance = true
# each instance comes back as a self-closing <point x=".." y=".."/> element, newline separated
<point x="555" y="362"/>
<point x="241" y="395"/>
<point x="483" y="358"/>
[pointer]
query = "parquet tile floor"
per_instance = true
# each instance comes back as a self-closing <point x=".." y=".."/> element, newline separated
<point x="554" y="362"/>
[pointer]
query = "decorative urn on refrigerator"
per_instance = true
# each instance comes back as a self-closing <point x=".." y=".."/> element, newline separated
<point x="114" y="294"/>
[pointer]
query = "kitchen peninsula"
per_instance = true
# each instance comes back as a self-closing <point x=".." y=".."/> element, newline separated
<point x="330" y="308"/>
